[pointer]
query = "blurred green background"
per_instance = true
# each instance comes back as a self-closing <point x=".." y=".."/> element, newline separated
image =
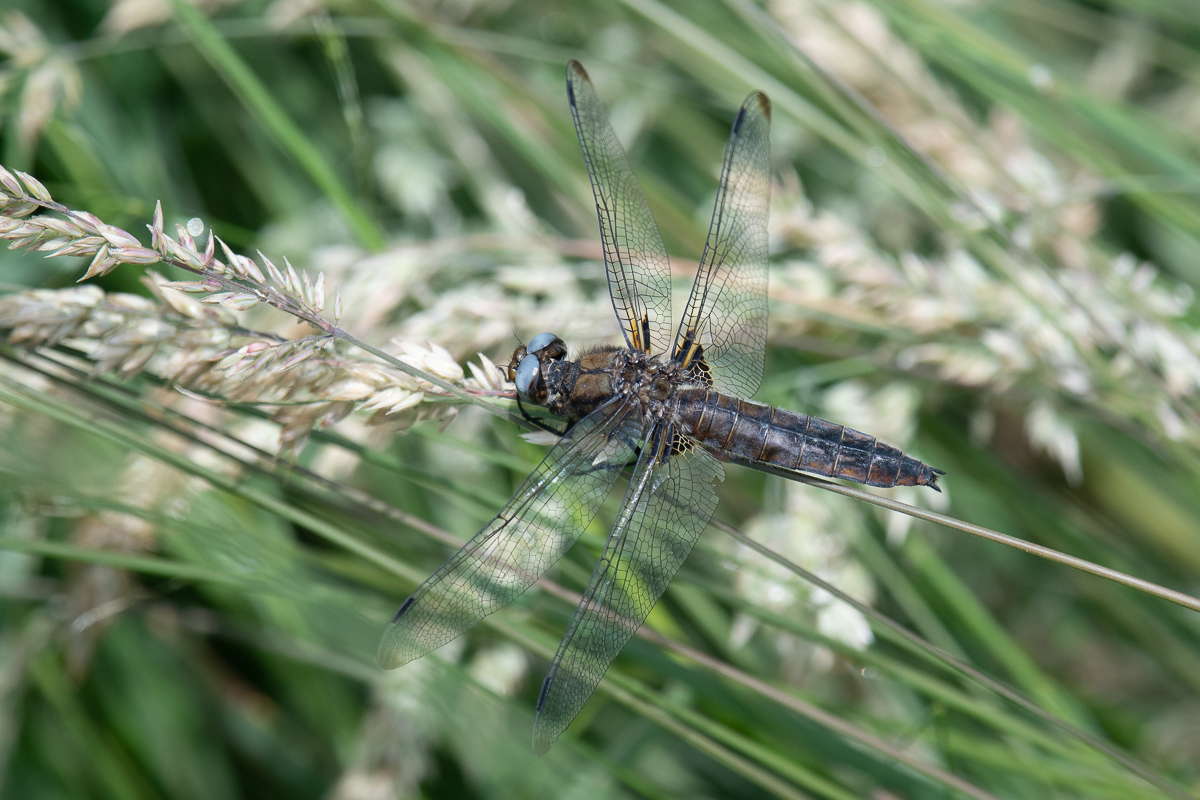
<point x="985" y="241"/>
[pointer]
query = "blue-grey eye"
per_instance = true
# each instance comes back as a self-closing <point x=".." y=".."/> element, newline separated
<point x="527" y="375"/>
<point x="539" y="342"/>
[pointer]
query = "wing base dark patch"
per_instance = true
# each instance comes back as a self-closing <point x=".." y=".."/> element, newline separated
<point x="690" y="354"/>
<point x="641" y="334"/>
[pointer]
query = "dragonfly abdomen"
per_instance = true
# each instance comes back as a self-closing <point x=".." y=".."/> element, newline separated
<point x="766" y="435"/>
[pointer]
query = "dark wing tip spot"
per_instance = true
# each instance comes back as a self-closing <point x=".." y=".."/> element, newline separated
<point x="764" y="103"/>
<point x="755" y="98"/>
<point x="403" y="608"/>
<point x="575" y="72"/>
<point x="575" y="68"/>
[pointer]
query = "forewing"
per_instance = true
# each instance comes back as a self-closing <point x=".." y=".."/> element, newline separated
<point x="668" y="505"/>
<point x="723" y="335"/>
<point x="639" y="274"/>
<point x="542" y="520"/>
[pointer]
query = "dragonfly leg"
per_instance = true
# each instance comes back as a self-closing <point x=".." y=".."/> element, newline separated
<point x="532" y="420"/>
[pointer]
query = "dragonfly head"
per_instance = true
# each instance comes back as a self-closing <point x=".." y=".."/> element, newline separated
<point x="525" y="368"/>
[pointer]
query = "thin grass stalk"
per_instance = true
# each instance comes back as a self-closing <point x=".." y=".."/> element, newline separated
<point x="626" y="691"/>
<point x="1163" y="636"/>
<point x="935" y="688"/>
<point x="40" y="198"/>
<point x="1011" y="657"/>
<point x="147" y="565"/>
<point x="1000" y="247"/>
<point x="224" y="281"/>
<point x="119" y="775"/>
<point x="318" y="526"/>
<point x="158" y="564"/>
<point x="258" y="100"/>
<point x="869" y="498"/>
<point x="819" y="715"/>
<point x="15" y="395"/>
<point x="871" y="613"/>
<point x="934" y="655"/>
<point x="124" y="400"/>
<point x="698" y="731"/>
<point x="1161" y="592"/>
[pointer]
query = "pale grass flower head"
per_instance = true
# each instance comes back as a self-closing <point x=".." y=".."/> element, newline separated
<point x="52" y="85"/>
<point x="393" y="400"/>
<point x="96" y="595"/>
<point x="1116" y="325"/>
<point x="478" y="316"/>
<point x="49" y="79"/>
<point x="393" y="751"/>
<point x="488" y="376"/>
<point x="1096" y="328"/>
<point x="812" y="532"/>
<point x="374" y="285"/>
<point x="126" y="16"/>
<point x="838" y="619"/>
<point x="1049" y="433"/>
<point x="282" y="14"/>
<point x="888" y="412"/>
<point x="22" y="41"/>
<point x="200" y="344"/>
<point x="501" y="668"/>
<point x="410" y="166"/>
<point x="841" y="621"/>
<point x="360" y="784"/>
<point x="431" y="358"/>
<point x="541" y="438"/>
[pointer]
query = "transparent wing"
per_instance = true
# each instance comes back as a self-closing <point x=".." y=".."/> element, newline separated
<point x="667" y="507"/>
<point x="542" y="520"/>
<point x="723" y="334"/>
<point x="639" y="274"/>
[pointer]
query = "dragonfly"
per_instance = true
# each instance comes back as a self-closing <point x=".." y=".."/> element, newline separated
<point x="673" y="402"/>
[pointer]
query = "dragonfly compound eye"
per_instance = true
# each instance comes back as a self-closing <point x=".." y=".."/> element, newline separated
<point x="529" y="373"/>
<point x="539" y="342"/>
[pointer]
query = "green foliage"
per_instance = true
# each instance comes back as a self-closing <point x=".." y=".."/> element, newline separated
<point x="985" y="242"/>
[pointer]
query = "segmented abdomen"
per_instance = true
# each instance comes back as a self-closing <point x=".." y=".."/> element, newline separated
<point x="768" y="435"/>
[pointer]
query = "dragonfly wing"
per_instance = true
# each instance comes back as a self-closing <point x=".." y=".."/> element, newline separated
<point x="723" y="334"/>
<point x="542" y="520"/>
<point x="669" y="503"/>
<point x="639" y="274"/>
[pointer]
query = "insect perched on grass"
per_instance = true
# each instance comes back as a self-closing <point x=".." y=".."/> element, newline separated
<point x="671" y="401"/>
